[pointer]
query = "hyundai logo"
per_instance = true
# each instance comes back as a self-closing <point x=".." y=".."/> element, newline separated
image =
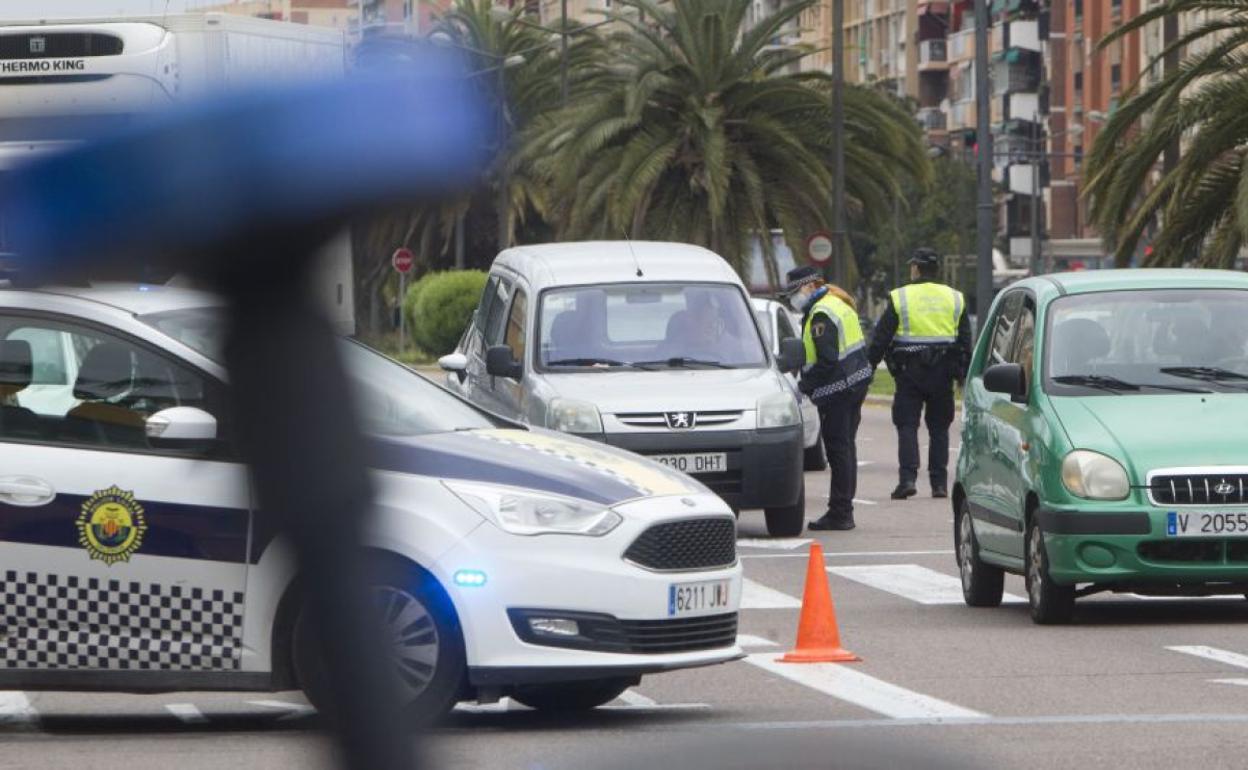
<point x="38" y="44"/>
<point x="1224" y="488"/>
<point x="681" y="420"/>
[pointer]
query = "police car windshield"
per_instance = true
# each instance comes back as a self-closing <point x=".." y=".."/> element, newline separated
<point x="649" y="324"/>
<point x="391" y="400"/>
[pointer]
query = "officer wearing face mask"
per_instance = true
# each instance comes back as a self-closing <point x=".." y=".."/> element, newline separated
<point x="835" y="377"/>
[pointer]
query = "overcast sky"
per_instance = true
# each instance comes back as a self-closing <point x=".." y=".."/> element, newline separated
<point x="45" y="9"/>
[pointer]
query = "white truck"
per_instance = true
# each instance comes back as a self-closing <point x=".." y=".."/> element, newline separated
<point x="59" y="75"/>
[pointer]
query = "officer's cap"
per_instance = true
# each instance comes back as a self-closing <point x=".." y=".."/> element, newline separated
<point x="799" y="277"/>
<point x="924" y="257"/>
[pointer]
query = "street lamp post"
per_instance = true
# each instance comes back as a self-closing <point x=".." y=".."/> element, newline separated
<point x="563" y="53"/>
<point x="983" y="206"/>
<point x="1039" y="157"/>
<point x="839" y="271"/>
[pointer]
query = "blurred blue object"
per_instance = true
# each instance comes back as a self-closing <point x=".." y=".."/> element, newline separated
<point x="203" y="176"/>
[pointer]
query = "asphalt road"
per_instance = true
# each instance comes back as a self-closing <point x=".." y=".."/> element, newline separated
<point x="1132" y="683"/>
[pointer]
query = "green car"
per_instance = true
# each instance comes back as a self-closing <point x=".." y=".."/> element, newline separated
<point x="1105" y="439"/>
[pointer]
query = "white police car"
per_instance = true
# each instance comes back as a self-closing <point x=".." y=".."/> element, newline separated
<point x="515" y="562"/>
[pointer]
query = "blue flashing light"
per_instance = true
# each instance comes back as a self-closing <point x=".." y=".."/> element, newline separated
<point x="470" y="578"/>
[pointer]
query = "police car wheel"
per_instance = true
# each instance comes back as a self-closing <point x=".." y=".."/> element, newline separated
<point x="571" y="696"/>
<point x="424" y="638"/>
<point x="789" y="520"/>
<point x="982" y="584"/>
<point x="1051" y="603"/>
<point x="813" y="458"/>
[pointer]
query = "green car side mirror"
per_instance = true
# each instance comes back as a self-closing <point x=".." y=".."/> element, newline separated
<point x="1009" y="379"/>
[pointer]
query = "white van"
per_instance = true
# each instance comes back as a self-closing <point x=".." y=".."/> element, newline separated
<point x="652" y="347"/>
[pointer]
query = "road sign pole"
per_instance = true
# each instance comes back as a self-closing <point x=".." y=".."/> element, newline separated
<point x="402" y="313"/>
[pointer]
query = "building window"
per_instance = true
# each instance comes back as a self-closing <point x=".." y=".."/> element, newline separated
<point x="1115" y="78"/>
<point x="1078" y="11"/>
<point x="1078" y="82"/>
<point x="1078" y="155"/>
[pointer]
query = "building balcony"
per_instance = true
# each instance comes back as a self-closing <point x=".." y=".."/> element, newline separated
<point x="961" y="45"/>
<point x="933" y="55"/>
<point x="1016" y="70"/>
<point x="932" y="119"/>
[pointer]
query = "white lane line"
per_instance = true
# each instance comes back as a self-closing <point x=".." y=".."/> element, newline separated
<point x="862" y="463"/>
<point x="294" y="710"/>
<point x="832" y="554"/>
<point x="756" y="596"/>
<point x="634" y="698"/>
<point x="778" y="543"/>
<point x="911" y="581"/>
<point x="187" y="713"/>
<point x="1240" y="682"/>
<point x="845" y="683"/>
<point x="746" y="641"/>
<point x="986" y="721"/>
<point x="1213" y="653"/>
<point x="15" y="708"/>
<point x="504" y="705"/>
<point x="865" y="502"/>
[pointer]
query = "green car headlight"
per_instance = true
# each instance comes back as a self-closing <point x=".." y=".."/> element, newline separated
<point x="1094" y="476"/>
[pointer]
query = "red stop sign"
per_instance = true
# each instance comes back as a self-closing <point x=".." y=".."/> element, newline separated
<point x="403" y="260"/>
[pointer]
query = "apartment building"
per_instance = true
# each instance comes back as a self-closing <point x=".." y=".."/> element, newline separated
<point x="879" y="42"/>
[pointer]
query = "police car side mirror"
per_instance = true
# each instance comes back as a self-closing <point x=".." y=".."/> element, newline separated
<point x="499" y="362"/>
<point x="181" y="427"/>
<point x="792" y="355"/>
<point x="1008" y="379"/>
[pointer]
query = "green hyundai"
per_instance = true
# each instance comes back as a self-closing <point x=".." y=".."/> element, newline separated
<point x="1105" y="439"/>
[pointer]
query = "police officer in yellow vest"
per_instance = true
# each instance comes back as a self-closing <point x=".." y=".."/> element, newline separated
<point x="925" y="337"/>
<point x="835" y="377"/>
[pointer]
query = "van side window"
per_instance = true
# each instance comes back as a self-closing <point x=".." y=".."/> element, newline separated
<point x="493" y="326"/>
<point x="517" y="324"/>
<point x="784" y="326"/>
<point x="1003" y="329"/>
<point x="487" y="299"/>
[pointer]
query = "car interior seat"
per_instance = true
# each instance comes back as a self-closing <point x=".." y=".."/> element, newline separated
<point x="1077" y="344"/>
<point x="16" y="374"/>
<point x="106" y="374"/>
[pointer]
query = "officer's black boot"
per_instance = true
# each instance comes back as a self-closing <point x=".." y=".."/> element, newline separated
<point x="832" y="522"/>
<point x="904" y="490"/>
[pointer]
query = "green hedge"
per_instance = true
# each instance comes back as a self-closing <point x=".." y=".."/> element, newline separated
<point x="440" y="306"/>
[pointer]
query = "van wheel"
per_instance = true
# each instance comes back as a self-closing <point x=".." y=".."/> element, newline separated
<point x="422" y="634"/>
<point x="982" y="584"/>
<point x="789" y="520"/>
<point x="1050" y="603"/>
<point x="813" y="458"/>
<point x="571" y="696"/>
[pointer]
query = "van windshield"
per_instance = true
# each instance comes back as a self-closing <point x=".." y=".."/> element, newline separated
<point x="1162" y="340"/>
<point x="649" y="326"/>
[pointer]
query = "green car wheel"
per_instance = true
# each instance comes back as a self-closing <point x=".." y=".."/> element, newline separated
<point x="1051" y="604"/>
<point x="982" y="584"/>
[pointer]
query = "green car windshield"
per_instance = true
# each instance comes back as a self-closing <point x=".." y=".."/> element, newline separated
<point x="1147" y="342"/>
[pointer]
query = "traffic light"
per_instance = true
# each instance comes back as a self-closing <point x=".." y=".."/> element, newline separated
<point x="968" y="138"/>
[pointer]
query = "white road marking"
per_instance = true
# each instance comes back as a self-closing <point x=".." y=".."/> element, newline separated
<point x="831" y="554"/>
<point x="1240" y="682"/>
<point x="746" y="641"/>
<point x="985" y="721"/>
<point x="756" y="596"/>
<point x="635" y="701"/>
<point x="862" y="463"/>
<point x="503" y="705"/>
<point x="15" y="708"/>
<point x="780" y="543"/>
<point x="910" y="581"/>
<point x="845" y="683"/>
<point x="1214" y="654"/>
<point x="187" y="713"/>
<point x="634" y="698"/>
<point x="294" y="710"/>
<point x="865" y="502"/>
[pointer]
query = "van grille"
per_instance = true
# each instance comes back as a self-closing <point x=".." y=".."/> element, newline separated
<point x="659" y="419"/>
<point x="1199" y="488"/>
<point x="58" y="45"/>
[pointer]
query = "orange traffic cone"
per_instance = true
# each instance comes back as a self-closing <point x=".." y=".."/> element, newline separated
<point x="818" y="640"/>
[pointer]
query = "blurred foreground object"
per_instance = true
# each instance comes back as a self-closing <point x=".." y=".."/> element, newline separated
<point x="239" y="194"/>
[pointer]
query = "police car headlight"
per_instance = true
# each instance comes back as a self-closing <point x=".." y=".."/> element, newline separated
<point x="1094" y="476"/>
<point x="778" y="410"/>
<point x="571" y="416"/>
<point x="523" y="512"/>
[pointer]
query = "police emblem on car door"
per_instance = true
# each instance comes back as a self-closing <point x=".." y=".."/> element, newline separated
<point x="117" y="552"/>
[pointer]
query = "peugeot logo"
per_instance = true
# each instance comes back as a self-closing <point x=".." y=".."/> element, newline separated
<point x="681" y="420"/>
<point x="38" y="44"/>
<point x="1224" y="488"/>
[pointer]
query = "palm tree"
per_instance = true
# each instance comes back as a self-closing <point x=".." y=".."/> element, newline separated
<point x="1201" y="203"/>
<point x="489" y="37"/>
<point x="690" y="130"/>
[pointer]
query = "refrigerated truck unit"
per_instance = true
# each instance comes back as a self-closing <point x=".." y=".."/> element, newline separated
<point x="58" y="74"/>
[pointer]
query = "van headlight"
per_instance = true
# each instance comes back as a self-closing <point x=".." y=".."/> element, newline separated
<point x="524" y="512"/>
<point x="778" y="410"/>
<point x="572" y="416"/>
<point x="1094" y="476"/>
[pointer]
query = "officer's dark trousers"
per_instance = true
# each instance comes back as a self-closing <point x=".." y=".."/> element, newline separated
<point x="932" y="397"/>
<point x="839" y="426"/>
